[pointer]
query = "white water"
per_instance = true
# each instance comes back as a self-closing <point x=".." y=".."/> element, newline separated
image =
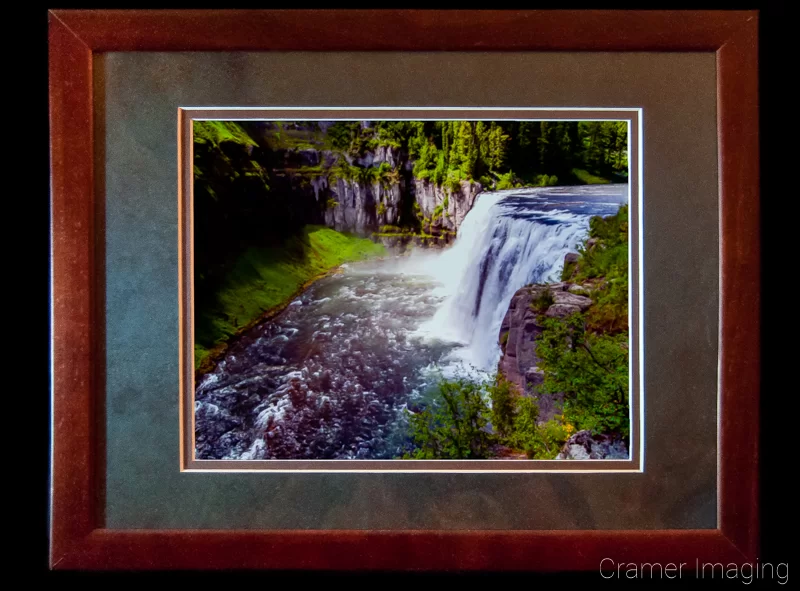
<point x="509" y="239"/>
<point x="330" y="376"/>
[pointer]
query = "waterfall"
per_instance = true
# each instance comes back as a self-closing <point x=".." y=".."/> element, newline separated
<point x="509" y="239"/>
<point x="331" y="376"/>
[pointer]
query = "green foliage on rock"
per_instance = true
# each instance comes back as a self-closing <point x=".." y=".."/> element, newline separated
<point x="448" y="153"/>
<point x="604" y="264"/>
<point x="342" y="135"/>
<point x="473" y="420"/>
<point x="585" y="356"/>
<point x="538" y="441"/>
<point x="590" y="369"/>
<point x="569" y="270"/>
<point x="543" y="300"/>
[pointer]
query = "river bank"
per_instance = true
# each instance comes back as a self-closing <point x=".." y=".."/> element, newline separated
<point x="336" y="372"/>
<point x="263" y="281"/>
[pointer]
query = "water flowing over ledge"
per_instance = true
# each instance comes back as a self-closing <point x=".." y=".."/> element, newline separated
<point x="331" y="376"/>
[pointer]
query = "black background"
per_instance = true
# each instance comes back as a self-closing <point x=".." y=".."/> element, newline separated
<point x="28" y="88"/>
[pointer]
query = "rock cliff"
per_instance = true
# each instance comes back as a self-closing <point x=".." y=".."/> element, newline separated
<point x="446" y="208"/>
<point x="519" y="363"/>
<point x="285" y="176"/>
<point x="394" y="205"/>
<point x="585" y="446"/>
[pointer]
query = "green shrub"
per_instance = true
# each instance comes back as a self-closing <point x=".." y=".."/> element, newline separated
<point x="503" y="395"/>
<point x="607" y="261"/>
<point x="453" y="426"/>
<point x="453" y="181"/>
<point x="342" y="134"/>
<point x="612" y="230"/>
<point x="590" y="369"/>
<point x="539" y="442"/>
<point x="568" y="270"/>
<point x="543" y="442"/>
<point x="588" y="178"/>
<point x="217" y="132"/>
<point x="525" y="422"/>
<point x="543" y="300"/>
<point x="505" y="181"/>
<point x="609" y="314"/>
<point x="386" y="175"/>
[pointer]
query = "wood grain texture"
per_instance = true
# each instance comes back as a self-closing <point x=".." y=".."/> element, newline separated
<point x="423" y="30"/>
<point x="382" y="550"/>
<point x="740" y="287"/>
<point x="78" y="540"/>
<point x="74" y="291"/>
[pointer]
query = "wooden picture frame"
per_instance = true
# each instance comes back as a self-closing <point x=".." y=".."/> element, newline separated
<point x="78" y="538"/>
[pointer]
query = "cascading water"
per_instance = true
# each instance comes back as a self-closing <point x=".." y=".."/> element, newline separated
<point x="508" y="240"/>
<point x="331" y="376"/>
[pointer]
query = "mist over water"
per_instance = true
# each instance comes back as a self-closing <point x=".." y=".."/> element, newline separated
<point x="331" y="375"/>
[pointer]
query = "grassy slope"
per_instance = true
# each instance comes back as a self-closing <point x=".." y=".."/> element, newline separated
<point x="265" y="279"/>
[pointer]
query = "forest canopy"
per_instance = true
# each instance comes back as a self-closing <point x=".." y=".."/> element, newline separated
<point x="502" y="154"/>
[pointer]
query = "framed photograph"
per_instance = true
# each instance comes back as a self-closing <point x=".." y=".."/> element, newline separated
<point x="328" y="298"/>
<point x="396" y="296"/>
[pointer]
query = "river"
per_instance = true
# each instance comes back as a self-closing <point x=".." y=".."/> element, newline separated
<point x="331" y="376"/>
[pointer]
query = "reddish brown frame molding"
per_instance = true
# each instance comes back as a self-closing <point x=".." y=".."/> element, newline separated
<point x="78" y="540"/>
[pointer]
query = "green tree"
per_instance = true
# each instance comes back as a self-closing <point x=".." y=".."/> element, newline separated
<point x="498" y="147"/>
<point x="590" y="369"/>
<point x="504" y="406"/>
<point x="453" y="426"/>
<point x="342" y="134"/>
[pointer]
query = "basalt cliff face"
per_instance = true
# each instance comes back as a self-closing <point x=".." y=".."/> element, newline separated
<point x="519" y="363"/>
<point x="277" y="179"/>
<point x="530" y="308"/>
<point x="445" y="207"/>
<point x="397" y="208"/>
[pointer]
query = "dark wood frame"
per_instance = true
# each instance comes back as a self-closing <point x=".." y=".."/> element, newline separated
<point x="78" y="538"/>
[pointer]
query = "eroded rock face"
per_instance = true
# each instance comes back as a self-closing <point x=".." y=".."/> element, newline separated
<point x="519" y="330"/>
<point x="571" y="299"/>
<point x="561" y="311"/>
<point x="454" y="204"/>
<point x="354" y="209"/>
<point x="364" y="207"/>
<point x="585" y="446"/>
<point x="578" y="289"/>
